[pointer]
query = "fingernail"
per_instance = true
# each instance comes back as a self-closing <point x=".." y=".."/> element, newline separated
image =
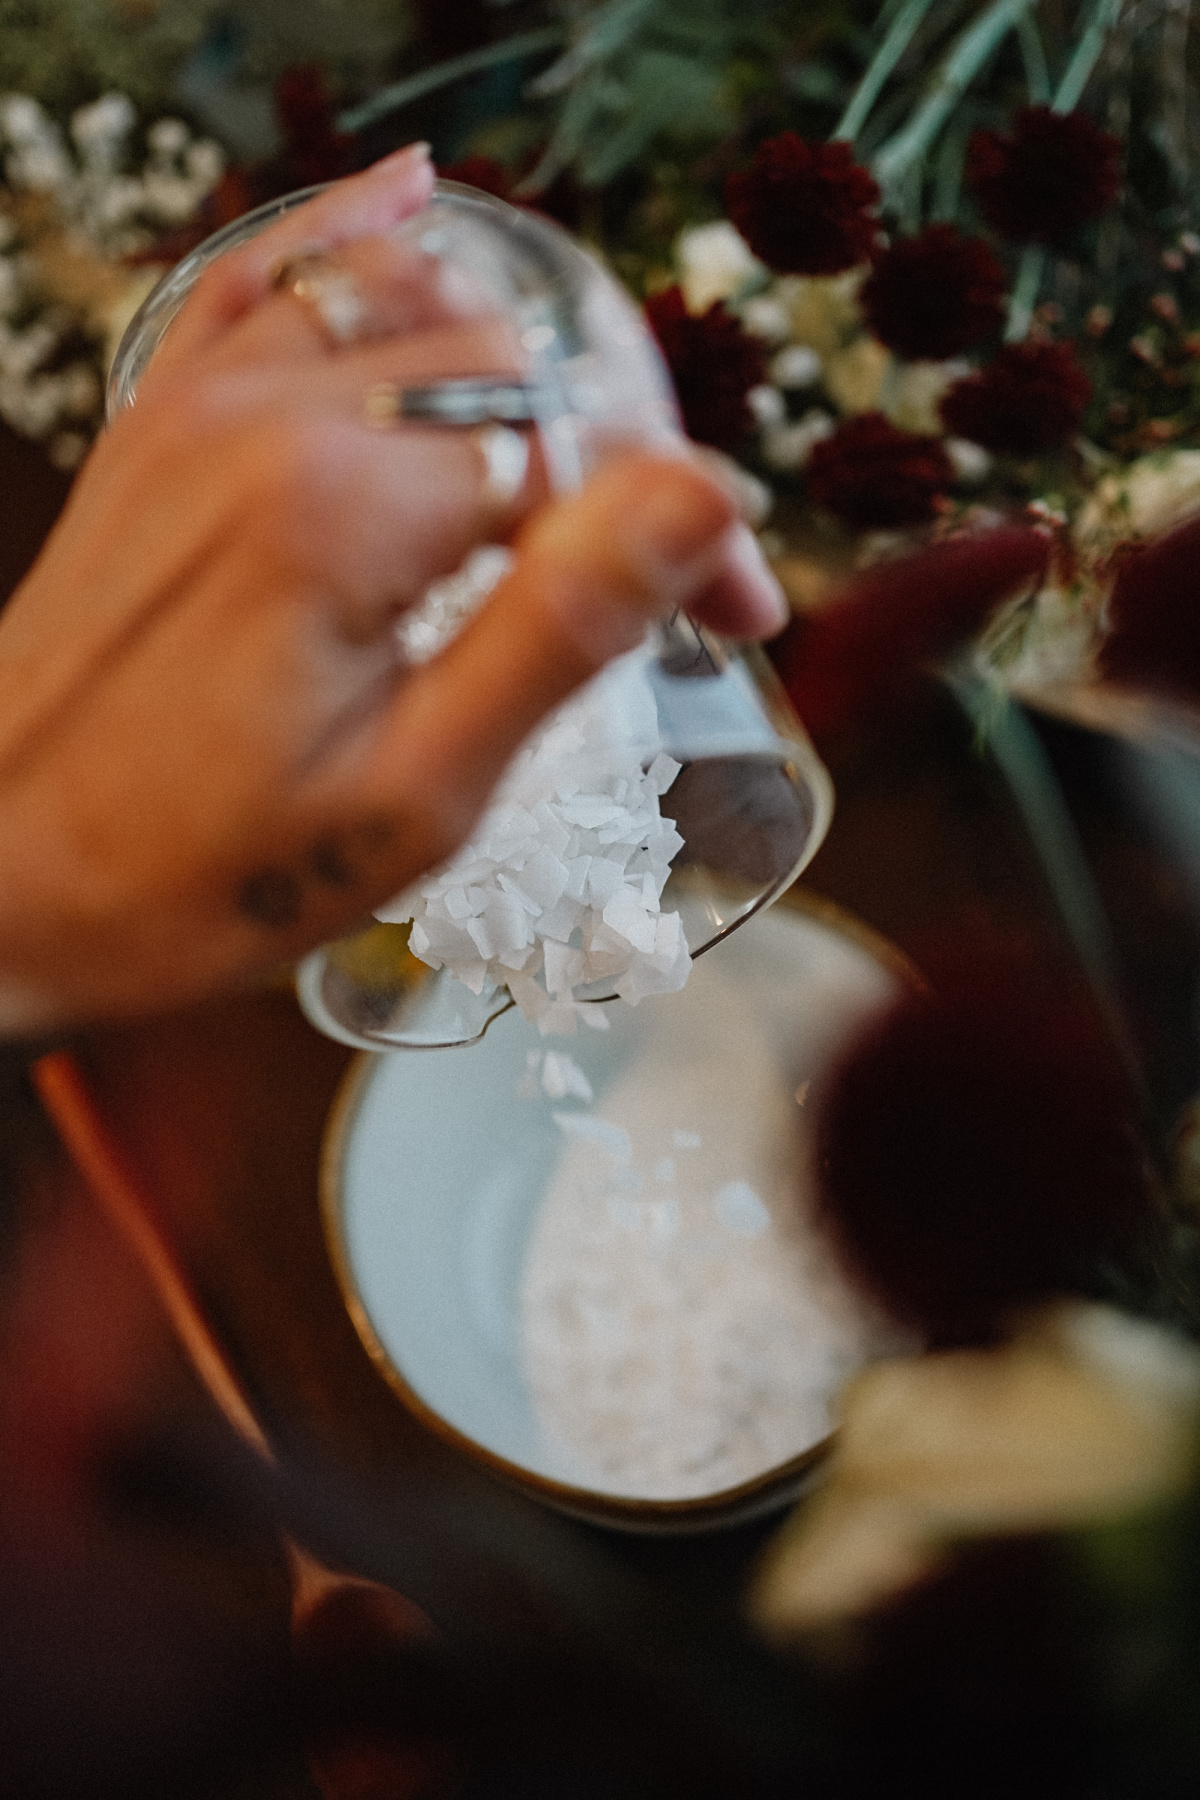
<point x="411" y="153"/>
<point x="745" y="561"/>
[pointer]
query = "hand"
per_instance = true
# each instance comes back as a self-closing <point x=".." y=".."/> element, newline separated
<point x="210" y="757"/>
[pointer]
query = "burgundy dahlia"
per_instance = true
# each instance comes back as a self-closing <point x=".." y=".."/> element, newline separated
<point x="714" y="364"/>
<point x="934" y="295"/>
<point x="871" y="475"/>
<point x="858" y="657"/>
<point x="482" y="172"/>
<point x="305" y="111"/>
<point x="805" y="209"/>
<point x="978" y="1146"/>
<point x="1030" y="398"/>
<point x="1154" y="616"/>
<point x="1048" y="176"/>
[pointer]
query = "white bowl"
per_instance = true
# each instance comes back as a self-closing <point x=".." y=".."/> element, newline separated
<point x="624" y="1307"/>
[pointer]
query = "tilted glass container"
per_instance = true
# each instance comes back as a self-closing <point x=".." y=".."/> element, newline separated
<point x="752" y="801"/>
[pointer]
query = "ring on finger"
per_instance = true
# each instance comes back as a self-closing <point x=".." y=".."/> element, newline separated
<point x="327" y="290"/>
<point x="475" y="400"/>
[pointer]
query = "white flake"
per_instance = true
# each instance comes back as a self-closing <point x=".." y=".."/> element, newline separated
<point x="740" y="1209"/>
<point x="592" y="1130"/>
<point x="562" y="1076"/>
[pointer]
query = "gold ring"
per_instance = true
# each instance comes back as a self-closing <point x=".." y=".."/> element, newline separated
<point x="329" y="292"/>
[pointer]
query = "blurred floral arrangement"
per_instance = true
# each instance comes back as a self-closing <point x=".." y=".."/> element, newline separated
<point x="130" y="129"/>
<point x="76" y="223"/>
<point x="897" y="269"/>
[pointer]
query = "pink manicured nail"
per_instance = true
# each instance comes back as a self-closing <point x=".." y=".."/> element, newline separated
<point x="746" y="563"/>
<point x="411" y="153"/>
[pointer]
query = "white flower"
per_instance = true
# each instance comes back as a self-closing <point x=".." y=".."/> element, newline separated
<point x="169" y="198"/>
<point x="41" y="168"/>
<point x="167" y="139"/>
<point x="714" y="262"/>
<point x="38" y="159"/>
<point x="100" y="130"/>
<point x="796" y="366"/>
<point x="766" y="317"/>
<point x="787" y="447"/>
<point x="767" y="404"/>
<point x="21" y="352"/>
<point x="1143" y="500"/>
<point x="22" y="119"/>
<point x="100" y="210"/>
<point x="854" y="376"/>
<point x="915" y="390"/>
<point x="1087" y="1416"/>
<point x="205" y="164"/>
<point x="971" y="461"/>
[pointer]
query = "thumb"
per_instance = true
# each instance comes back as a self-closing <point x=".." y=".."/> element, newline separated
<point x="647" y="535"/>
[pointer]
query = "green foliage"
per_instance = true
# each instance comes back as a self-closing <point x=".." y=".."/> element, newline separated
<point x="343" y="35"/>
<point x="66" y="52"/>
<point x="1136" y="1585"/>
<point x="641" y="75"/>
<point x="638" y="78"/>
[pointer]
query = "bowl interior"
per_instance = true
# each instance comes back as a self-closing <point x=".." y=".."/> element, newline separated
<point x="620" y="1298"/>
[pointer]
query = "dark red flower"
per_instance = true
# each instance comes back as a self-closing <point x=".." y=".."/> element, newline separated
<point x="561" y="200"/>
<point x="863" y="651"/>
<point x="978" y="1147"/>
<point x="868" y="473"/>
<point x="714" y="364"/>
<point x="482" y="172"/>
<point x="1047" y="177"/>
<point x="304" y="107"/>
<point x="805" y="209"/>
<point x="1154" y="616"/>
<point x="934" y="295"/>
<point x="1030" y="398"/>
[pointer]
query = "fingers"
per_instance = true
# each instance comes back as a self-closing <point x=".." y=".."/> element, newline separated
<point x="377" y="517"/>
<point x="386" y="288"/>
<point x="647" y="535"/>
<point x="743" y="599"/>
<point x="361" y="206"/>
<point x="484" y="346"/>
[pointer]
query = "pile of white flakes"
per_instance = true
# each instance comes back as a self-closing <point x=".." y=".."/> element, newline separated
<point x="561" y="885"/>
<point x="684" y="1322"/>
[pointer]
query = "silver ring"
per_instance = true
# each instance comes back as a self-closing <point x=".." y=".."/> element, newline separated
<point x="329" y="292"/>
<point x="463" y="402"/>
<point x="505" y="455"/>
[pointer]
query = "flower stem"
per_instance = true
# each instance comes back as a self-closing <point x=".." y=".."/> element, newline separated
<point x="614" y="26"/>
<point x="966" y="57"/>
<point x="1017" y="749"/>
<point x="1025" y="293"/>
<point x="1037" y="75"/>
<point x="490" y="56"/>
<point x="1087" y="55"/>
<point x="949" y="172"/>
<point x="904" y="28"/>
